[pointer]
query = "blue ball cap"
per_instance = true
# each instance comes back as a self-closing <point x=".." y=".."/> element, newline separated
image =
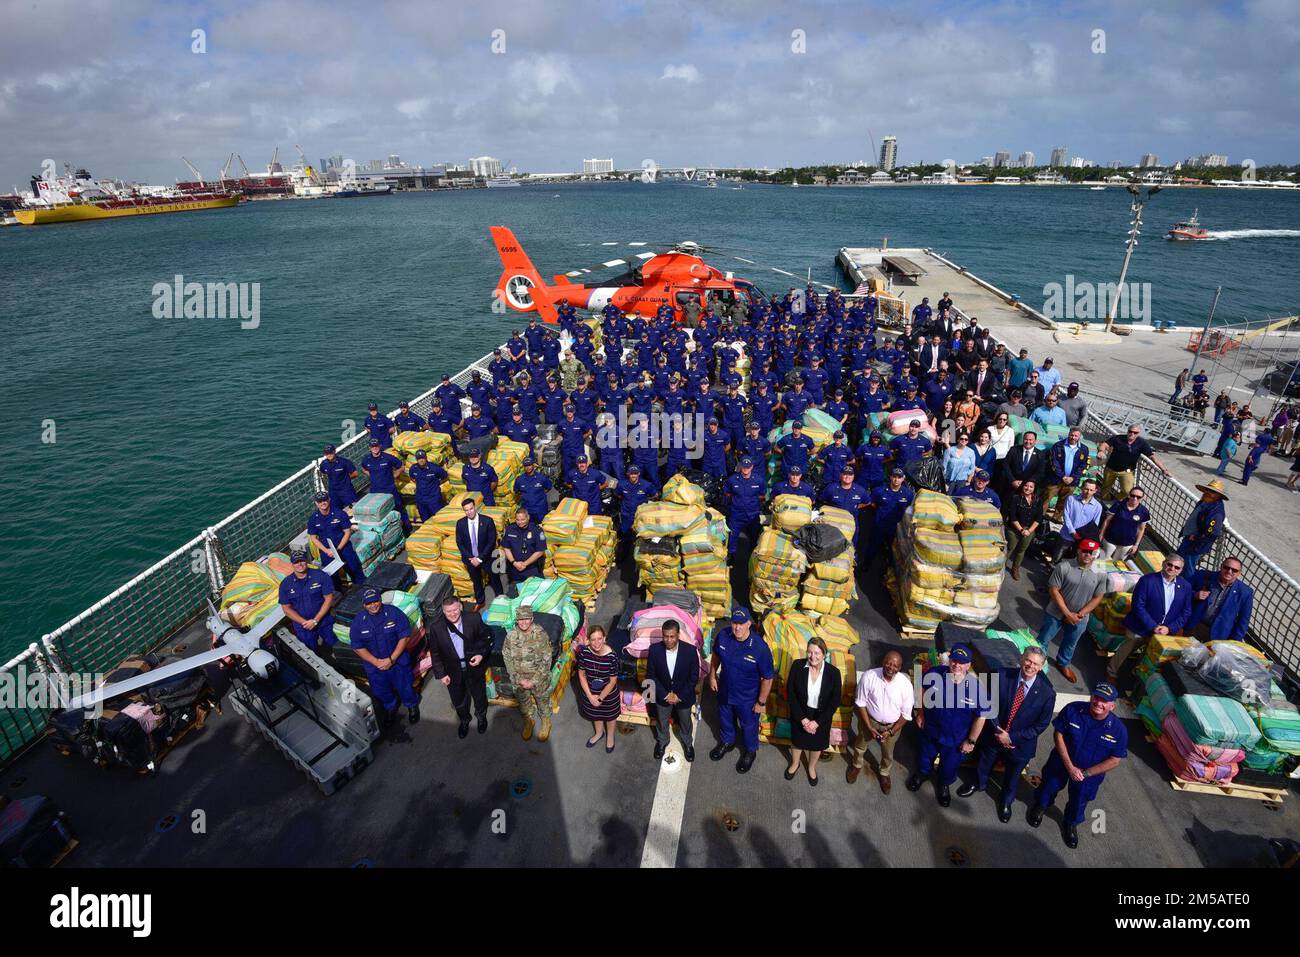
<point x="374" y="443"/>
<point x="875" y="434"/>
<point x="582" y="458"/>
<point x="1104" y="691"/>
<point x="445" y="377"/>
<point x="421" y="454"/>
<point x="960" y="654"/>
<point x="371" y="595"/>
<point x="634" y="470"/>
<point x="740" y="616"/>
<point x="530" y="460"/>
<point x="838" y="434"/>
<point x="373" y="407"/>
<point x="298" y="555"/>
<point x="848" y="470"/>
<point x="712" y="420"/>
<point x="403" y="405"/>
<point x="796" y="470"/>
<point x="330" y="450"/>
<point x="797" y="424"/>
<point x="897" y="471"/>
<point x="321" y="497"/>
<point x="746" y="463"/>
<point x="981" y="474"/>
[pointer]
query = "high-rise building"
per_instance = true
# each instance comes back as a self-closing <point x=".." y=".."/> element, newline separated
<point x="375" y="166"/>
<point x="1149" y="159"/>
<point x="1208" y="159"/>
<point x="986" y="161"/>
<point x="1078" y="162"/>
<point x="394" y="161"/>
<point x="485" y="166"/>
<point x="1026" y="160"/>
<point x="888" y="153"/>
<point x="1001" y="159"/>
<point x="594" y="167"/>
<point x="1059" y="156"/>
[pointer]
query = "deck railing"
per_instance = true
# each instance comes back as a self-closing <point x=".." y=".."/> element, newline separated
<point x="155" y="605"/>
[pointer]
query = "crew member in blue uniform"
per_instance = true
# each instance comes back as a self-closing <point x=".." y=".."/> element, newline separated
<point x="553" y="399"/>
<point x="379" y="426"/>
<point x="500" y="368"/>
<point x="384" y="468"/>
<point x="428" y="478"/>
<point x="795" y="448"/>
<point x="531" y="487"/>
<point x="645" y="452"/>
<point x="871" y="461"/>
<point x="379" y="636"/>
<point x="306" y="598"/>
<point x="716" y="446"/>
<point x="406" y="420"/>
<point x="888" y="502"/>
<point x="479" y="392"/>
<point x="834" y="457"/>
<point x="733" y="412"/>
<point x="795" y="485"/>
<point x="585" y="483"/>
<point x="978" y="487"/>
<point x="518" y="429"/>
<point x="848" y="495"/>
<point x="573" y="438"/>
<point x="634" y="492"/>
<point x="910" y="446"/>
<point x="1089" y="741"/>
<point x="1203" y="527"/>
<point x="796" y="400"/>
<point x="524" y="546"/>
<point x="757" y="448"/>
<point x="743" y="494"/>
<point x="741" y="673"/>
<point x="330" y="530"/>
<point x="480" y="477"/>
<point x="478" y="424"/>
<point x="951" y="701"/>
<point x="442" y="421"/>
<point x="762" y="403"/>
<point x="339" y="473"/>
<point x="837" y="408"/>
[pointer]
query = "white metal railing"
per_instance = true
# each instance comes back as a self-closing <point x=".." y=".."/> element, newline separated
<point x="20" y="724"/>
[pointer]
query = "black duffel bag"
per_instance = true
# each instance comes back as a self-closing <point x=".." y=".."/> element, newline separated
<point x="926" y="473"/>
<point x="484" y="444"/>
<point x="821" y="542"/>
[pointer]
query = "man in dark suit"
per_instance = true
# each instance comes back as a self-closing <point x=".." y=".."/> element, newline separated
<point x="981" y="381"/>
<point x="459" y="645"/>
<point x="929" y="355"/>
<point x="1221" y="603"/>
<point x="674" y="669"/>
<point x="1026" y="701"/>
<point x="476" y="537"/>
<point x="1023" y="464"/>
<point x="1162" y="605"/>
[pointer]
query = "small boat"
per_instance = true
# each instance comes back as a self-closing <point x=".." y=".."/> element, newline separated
<point x="1191" y="229"/>
<point x="1096" y="189"/>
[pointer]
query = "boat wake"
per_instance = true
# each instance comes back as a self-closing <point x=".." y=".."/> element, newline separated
<point x="1251" y="233"/>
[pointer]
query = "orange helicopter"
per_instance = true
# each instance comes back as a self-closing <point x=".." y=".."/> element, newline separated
<point x="650" y="281"/>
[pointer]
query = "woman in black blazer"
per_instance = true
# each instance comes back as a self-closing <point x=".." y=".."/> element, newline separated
<point x="810" y="725"/>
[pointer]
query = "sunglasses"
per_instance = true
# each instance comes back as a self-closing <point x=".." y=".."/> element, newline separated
<point x="1173" y="565"/>
<point x="1134" y="432"/>
<point x="1135" y="496"/>
<point x="1229" y="568"/>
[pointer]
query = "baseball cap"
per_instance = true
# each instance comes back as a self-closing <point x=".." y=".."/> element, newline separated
<point x="373" y="407"/>
<point x="1088" y="545"/>
<point x="875" y="434"/>
<point x="740" y="616"/>
<point x="960" y="654"/>
<point x="321" y="497"/>
<point x="445" y="377"/>
<point x="370" y="595"/>
<point x="634" y="468"/>
<point x="980" y="474"/>
<point x="896" y="471"/>
<point x="297" y="555"/>
<point x="1047" y="361"/>
<point x="374" y="443"/>
<point x="582" y="458"/>
<point x="421" y="454"/>
<point x="838" y="434"/>
<point x="1073" y="385"/>
<point x="747" y="463"/>
<point x="713" y="420"/>
<point x="848" y="470"/>
<point x="330" y="450"/>
<point x="525" y="612"/>
<point x="476" y="453"/>
<point x="530" y="460"/>
<point x="403" y="405"/>
<point x="1104" y="691"/>
<point x="797" y="424"/>
<point x="796" y="470"/>
<point x="914" y="422"/>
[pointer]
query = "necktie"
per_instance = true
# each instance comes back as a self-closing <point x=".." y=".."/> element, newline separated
<point x="1026" y="463"/>
<point x="473" y="536"/>
<point x="979" y="383"/>
<point x="1015" y="705"/>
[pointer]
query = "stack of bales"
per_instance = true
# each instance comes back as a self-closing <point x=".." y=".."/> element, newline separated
<point x="703" y="549"/>
<point x="949" y="561"/>
<point x="659" y="527"/>
<point x="819" y="427"/>
<point x="546" y="596"/>
<point x="579" y="547"/>
<point x="775" y="568"/>
<point x="378" y="522"/>
<point x="828" y="588"/>
<point x="787" y="634"/>
<point x="405" y="445"/>
<point x="507" y="459"/>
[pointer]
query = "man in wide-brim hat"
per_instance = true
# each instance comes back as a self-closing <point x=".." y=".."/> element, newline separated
<point x="1204" y="526"/>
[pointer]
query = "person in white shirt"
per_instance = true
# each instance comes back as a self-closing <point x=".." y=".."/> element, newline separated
<point x="1002" y="435"/>
<point x="884" y="703"/>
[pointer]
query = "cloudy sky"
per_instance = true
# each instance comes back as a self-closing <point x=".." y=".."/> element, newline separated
<point x="115" y="85"/>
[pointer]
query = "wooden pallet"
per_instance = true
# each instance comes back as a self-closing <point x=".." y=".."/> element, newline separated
<point x="67" y="849"/>
<point x="632" y="718"/>
<point x="908" y="633"/>
<point x="1250" y="791"/>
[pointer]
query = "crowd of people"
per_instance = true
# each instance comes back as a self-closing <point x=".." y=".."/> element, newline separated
<point x="803" y="351"/>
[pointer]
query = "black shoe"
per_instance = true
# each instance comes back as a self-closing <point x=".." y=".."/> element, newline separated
<point x="788" y="774"/>
<point x="746" y="761"/>
<point x="721" y="751"/>
<point x="1004" y="813"/>
<point x="462" y="731"/>
<point x="690" y="753"/>
<point x="413" y="715"/>
<point x="945" y="797"/>
<point x="659" y="752"/>
<point x="966" y="790"/>
<point x="482" y="724"/>
<point x="914" y="782"/>
<point x="1071" y="835"/>
<point x="1035" y="816"/>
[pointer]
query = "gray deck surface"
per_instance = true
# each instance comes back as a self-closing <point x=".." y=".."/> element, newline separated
<point x="429" y="798"/>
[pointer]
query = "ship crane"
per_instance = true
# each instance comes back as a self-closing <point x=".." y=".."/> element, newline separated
<point x="225" y="170"/>
<point x="195" y="170"/>
<point x="243" y="166"/>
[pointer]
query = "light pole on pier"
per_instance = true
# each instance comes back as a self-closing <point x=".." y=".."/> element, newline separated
<point x="1135" y="229"/>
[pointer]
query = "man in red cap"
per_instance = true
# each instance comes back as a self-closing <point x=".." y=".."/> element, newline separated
<point x="1074" y="590"/>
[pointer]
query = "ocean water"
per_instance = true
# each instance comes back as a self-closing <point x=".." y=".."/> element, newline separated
<point x="162" y="427"/>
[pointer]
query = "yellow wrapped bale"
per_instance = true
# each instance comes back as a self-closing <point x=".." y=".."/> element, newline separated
<point x="681" y="491"/>
<point x="977" y="513"/>
<point x="666" y="519"/>
<point x="840" y="518"/>
<point x="791" y="512"/>
<point x="937" y="547"/>
<point x="934" y="510"/>
<point x="424" y="547"/>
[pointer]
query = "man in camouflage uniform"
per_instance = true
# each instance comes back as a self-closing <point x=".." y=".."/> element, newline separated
<point x="570" y="369"/>
<point x="692" y="312"/>
<point x="527" y="654"/>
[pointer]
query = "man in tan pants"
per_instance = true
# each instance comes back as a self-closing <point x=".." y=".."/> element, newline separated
<point x="885" y="702"/>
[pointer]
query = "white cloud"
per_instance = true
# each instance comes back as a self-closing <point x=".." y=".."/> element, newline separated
<point x="414" y="109"/>
<point x="686" y="72"/>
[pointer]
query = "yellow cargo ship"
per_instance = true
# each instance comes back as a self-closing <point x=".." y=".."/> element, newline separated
<point x="76" y="198"/>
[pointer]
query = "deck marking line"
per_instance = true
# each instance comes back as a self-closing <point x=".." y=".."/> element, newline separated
<point x="664" y="832"/>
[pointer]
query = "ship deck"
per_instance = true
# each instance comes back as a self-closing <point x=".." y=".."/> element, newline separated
<point x="430" y="798"/>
